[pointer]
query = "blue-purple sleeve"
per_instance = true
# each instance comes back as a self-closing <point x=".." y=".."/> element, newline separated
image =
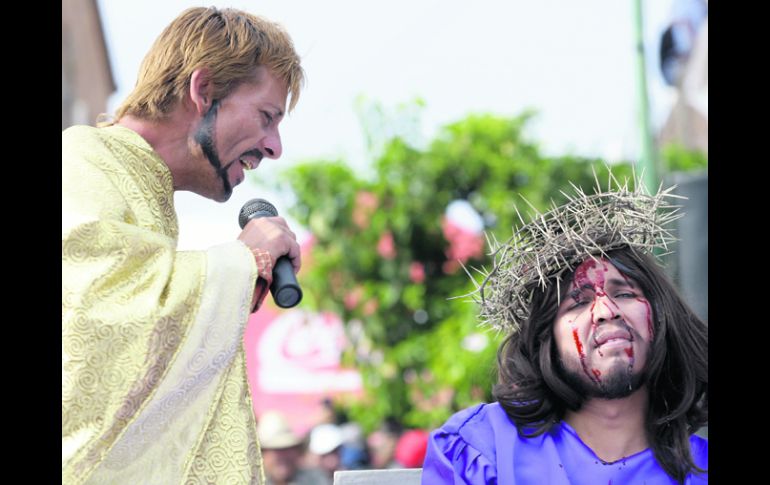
<point x="450" y="460"/>
<point x="699" y="448"/>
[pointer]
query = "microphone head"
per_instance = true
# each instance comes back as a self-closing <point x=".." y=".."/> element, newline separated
<point x="287" y="296"/>
<point x="256" y="208"/>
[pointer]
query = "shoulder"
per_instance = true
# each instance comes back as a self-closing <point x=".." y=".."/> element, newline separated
<point x="76" y="136"/>
<point x="699" y="447"/>
<point x="477" y="427"/>
<point x="81" y="139"/>
<point x="81" y="144"/>
<point x="77" y="131"/>
<point x="463" y="449"/>
<point x="88" y="169"/>
<point x="481" y="415"/>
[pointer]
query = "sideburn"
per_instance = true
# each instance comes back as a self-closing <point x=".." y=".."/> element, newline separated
<point x="204" y="136"/>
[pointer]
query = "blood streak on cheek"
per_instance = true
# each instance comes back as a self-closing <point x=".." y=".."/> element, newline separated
<point x="578" y="344"/>
<point x="597" y="373"/>
<point x="630" y="354"/>
<point x="592" y="375"/>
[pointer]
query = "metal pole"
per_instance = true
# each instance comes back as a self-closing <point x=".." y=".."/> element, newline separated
<point x="647" y="159"/>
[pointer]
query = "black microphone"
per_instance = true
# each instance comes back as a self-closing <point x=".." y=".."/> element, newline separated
<point x="285" y="289"/>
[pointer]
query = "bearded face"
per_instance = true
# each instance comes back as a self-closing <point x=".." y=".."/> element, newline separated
<point x="603" y="332"/>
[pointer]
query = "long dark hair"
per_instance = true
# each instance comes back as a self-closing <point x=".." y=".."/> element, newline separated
<point x="535" y="395"/>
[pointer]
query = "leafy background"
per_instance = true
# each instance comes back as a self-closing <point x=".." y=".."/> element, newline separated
<point x="387" y="263"/>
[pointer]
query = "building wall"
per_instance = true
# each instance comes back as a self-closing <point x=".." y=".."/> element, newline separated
<point x="688" y="264"/>
<point x="87" y="80"/>
<point x="688" y="124"/>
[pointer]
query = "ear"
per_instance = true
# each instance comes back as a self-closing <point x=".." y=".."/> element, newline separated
<point x="201" y="90"/>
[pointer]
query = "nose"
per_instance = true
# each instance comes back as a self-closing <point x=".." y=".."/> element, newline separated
<point x="605" y="310"/>
<point x="271" y="145"/>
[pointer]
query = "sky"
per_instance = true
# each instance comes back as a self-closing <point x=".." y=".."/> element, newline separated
<point x="572" y="62"/>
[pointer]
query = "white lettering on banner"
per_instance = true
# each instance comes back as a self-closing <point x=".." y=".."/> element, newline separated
<point x="299" y="352"/>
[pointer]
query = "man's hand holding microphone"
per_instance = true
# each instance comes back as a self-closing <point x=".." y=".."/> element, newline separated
<point x="264" y="229"/>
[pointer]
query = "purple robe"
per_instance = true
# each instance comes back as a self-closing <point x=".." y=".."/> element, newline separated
<point x="465" y="449"/>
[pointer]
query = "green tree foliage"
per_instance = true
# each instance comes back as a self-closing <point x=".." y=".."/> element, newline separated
<point x="677" y="158"/>
<point x="380" y="258"/>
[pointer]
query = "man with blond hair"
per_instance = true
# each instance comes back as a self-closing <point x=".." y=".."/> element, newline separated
<point x="154" y="385"/>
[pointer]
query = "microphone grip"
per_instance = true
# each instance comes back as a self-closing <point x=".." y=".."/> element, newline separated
<point x="285" y="289"/>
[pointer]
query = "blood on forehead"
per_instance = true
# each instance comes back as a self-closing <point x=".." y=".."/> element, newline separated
<point x="590" y="273"/>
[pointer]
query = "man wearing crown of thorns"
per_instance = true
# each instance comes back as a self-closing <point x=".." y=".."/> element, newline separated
<point x="603" y="377"/>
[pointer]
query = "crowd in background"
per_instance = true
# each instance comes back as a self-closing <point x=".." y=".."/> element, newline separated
<point x="331" y="445"/>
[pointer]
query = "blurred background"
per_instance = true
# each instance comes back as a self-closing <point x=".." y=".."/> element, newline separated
<point x="420" y="124"/>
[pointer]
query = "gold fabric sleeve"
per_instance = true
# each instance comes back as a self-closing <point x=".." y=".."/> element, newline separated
<point x="154" y="384"/>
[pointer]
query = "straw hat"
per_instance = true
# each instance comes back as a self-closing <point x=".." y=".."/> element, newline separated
<point x="275" y="433"/>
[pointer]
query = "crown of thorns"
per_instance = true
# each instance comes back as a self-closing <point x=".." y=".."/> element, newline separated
<point x="558" y="240"/>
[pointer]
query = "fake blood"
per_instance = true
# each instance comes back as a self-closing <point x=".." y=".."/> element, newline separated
<point x="578" y="344"/>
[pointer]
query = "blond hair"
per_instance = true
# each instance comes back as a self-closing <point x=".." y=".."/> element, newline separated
<point x="230" y="43"/>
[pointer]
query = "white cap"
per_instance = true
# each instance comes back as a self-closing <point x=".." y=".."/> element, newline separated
<point x="325" y="438"/>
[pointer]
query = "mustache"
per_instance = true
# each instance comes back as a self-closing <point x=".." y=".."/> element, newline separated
<point x="255" y="152"/>
<point x="620" y="329"/>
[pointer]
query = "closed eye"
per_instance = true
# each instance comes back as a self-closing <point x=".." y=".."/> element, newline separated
<point x="579" y="297"/>
<point x="578" y="302"/>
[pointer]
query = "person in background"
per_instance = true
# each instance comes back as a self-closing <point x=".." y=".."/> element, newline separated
<point x="382" y="444"/>
<point x="353" y="452"/>
<point x="325" y="445"/>
<point x="411" y="448"/>
<point x="283" y="451"/>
